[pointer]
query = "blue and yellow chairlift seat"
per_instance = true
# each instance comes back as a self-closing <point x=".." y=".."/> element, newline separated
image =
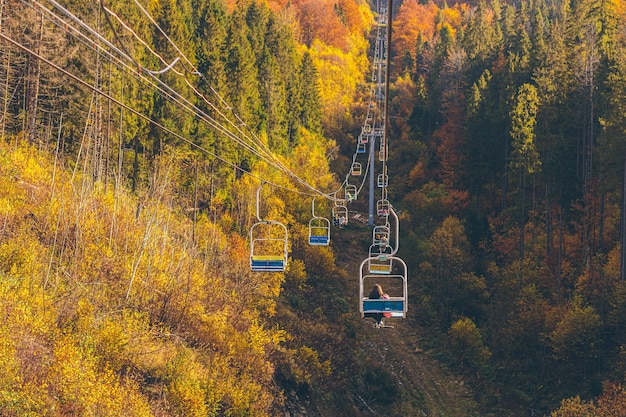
<point x="319" y="229"/>
<point x="380" y="260"/>
<point x="394" y="284"/>
<point x="268" y="243"/>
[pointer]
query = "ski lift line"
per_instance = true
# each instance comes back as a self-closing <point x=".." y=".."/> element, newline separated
<point x="81" y="24"/>
<point x="128" y="57"/>
<point x="164" y="70"/>
<point x="138" y="114"/>
<point x="125" y="54"/>
<point x="145" y="44"/>
<point x="171" y="95"/>
<point x="89" y="43"/>
<point x="179" y="73"/>
<point x="195" y="71"/>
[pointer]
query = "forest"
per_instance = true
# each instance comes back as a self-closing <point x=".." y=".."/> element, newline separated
<point x="141" y="140"/>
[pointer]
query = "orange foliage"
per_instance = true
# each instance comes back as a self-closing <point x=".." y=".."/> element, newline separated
<point x="611" y="403"/>
<point x="357" y="18"/>
<point x="403" y="102"/>
<point x="451" y="137"/>
<point x="412" y="19"/>
<point x="318" y="20"/>
<point x="453" y="17"/>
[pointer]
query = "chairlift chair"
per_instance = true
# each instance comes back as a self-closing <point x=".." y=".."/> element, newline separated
<point x="356" y="169"/>
<point x="268" y="243"/>
<point x="394" y="284"/>
<point x="380" y="235"/>
<point x="268" y="246"/>
<point x="351" y="192"/>
<point x="380" y="260"/>
<point x="340" y="214"/>
<point x="383" y="180"/>
<point x="382" y="207"/>
<point x="319" y="229"/>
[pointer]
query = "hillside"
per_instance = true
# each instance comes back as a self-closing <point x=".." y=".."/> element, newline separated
<point x="141" y="140"/>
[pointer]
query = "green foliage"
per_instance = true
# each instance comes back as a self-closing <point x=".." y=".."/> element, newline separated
<point x="523" y="119"/>
<point x="149" y="292"/>
<point x="467" y="344"/>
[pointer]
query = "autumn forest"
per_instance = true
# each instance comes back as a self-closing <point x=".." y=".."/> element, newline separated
<point x="134" y="139"/>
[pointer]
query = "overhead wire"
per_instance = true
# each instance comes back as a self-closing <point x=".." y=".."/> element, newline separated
<point x="137" y="113"/>
<point x="261" y="144"/>
<point x="137" y="72"/>
<point x="177" y="97"/>
<point x="170" y="93"/>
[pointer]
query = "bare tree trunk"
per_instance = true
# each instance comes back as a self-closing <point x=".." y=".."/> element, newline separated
<point x="195" y="202"/>
<point x="559" y="260"/>
<point x="7" y="72"/>
<point x="34" y="78"/>
<point x="5" y="110"/>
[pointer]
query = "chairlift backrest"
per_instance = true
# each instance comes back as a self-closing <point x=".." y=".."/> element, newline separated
<point x="383" y="180"/>
<point x="268" y="243"/>
<point x="340" y="215"/>
<point x="382" y="207"/>
<point x="395" y="284"/>
<point x="380" y="235"/>
<point x="382" y="154"/>
<point x="351" y="192"/>
<point x="319" y="229"/>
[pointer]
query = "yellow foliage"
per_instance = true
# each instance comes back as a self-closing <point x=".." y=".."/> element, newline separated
<point x="309" y="159"/>
<point x="574" y="407"/>
<point x="84" y="390"/>
<point x="340" y="74"/>
<point x="131" y="290"/>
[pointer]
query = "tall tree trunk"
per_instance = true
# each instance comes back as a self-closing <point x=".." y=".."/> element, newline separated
<point x="7" y="54"/>
<point x="34" y="78"/>
<point x="5" y="110"/>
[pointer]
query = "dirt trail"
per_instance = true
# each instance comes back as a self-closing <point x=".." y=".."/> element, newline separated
<point x="427" y="388"/>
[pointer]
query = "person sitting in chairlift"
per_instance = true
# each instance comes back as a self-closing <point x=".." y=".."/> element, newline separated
<point x="376" y="294"/>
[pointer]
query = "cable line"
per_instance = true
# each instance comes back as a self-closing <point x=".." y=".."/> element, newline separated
<point x="258" y="147"/>
<point x="138" y="114"/>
